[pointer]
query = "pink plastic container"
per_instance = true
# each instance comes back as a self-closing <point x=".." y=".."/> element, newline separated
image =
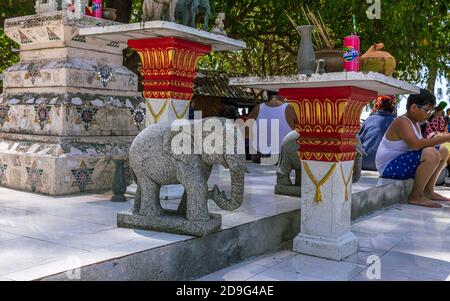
<point x="97" y="8"/>
<point x="351" y="53"/>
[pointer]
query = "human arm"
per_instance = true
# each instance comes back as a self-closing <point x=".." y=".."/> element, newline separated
<point x="402" y="129"/>
<point x="291" y="117"/>
<point x="253" y="115"/>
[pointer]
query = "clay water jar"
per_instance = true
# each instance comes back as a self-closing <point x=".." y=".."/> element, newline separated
<point x="334" y="60"/>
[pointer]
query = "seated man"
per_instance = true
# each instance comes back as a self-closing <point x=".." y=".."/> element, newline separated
<point x="404" y="153"/>
<point x="374" y="128"/>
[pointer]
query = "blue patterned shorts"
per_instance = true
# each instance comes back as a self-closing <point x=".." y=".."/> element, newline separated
<point x="404" y="167"/>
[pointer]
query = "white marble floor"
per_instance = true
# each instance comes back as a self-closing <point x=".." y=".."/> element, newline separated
<point x="401" y="243"/>
<point x="42" y="235"/>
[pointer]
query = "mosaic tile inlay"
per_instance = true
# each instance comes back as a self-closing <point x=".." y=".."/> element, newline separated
<point x="42" y="115"/>
<point x="33" y="73"/>
<point x="51" y="35"/>
<point x="138" y="117"/>
<point x="4" y="114"/>
<point x="24" y="39"/>
<point x="105" y="75"/>
<point x="78" y="38"/>
<point x="86" y="115"/>
<point x="113" y="44"/>
<point x="3" y="168"/>
<point x="34" y="177"/>
<point x="83" y="176"/>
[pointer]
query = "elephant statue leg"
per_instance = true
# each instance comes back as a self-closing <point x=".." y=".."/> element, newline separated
<point x="150" y="203"/>
<point x="182" y="208"/>
<point x="158" y="9"/>
<point x="196" y="193"/>
<point x="298" y="177"/>
<point x="206" y="20"/>
<point x="137" y="200"/>
<point x="172" y="9"/>
<point x="197" y="202"/>
<point x="147" y="10"/>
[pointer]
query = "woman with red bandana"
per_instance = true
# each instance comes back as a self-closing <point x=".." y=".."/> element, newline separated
<point x="373" y="129"/>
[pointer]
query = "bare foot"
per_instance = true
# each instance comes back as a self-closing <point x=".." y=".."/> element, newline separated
<point x="422" y="201"/>
<point x="437" y="197"/>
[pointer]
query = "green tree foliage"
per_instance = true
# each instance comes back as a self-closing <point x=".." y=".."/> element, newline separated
<point x="416" y="32"/>
<point x="9" y="9"/>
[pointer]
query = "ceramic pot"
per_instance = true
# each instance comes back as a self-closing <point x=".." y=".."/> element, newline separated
<point x="110" y="14"/>
<point x="334" y="61"/>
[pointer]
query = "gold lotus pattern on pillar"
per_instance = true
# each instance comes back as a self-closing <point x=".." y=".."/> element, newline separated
<point x="328" y="128"/>
<point x="347" y="182"/>
<point x="157" y="115"/>
<point x="169" y="66"/>
<point x="318" y="196"/>
<point x="184" y="112"/>
<point x="174" y="68"/>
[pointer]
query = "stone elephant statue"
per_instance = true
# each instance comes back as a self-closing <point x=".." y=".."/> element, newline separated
<point x="201" y="6"/>
<point x="154" y="163"/>
<point x="290" y="161"/>
<point x="187" y="11"/>
<point x="155" y="10"/>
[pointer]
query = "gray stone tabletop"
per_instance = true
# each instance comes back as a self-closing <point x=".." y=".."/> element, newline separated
<point x="373" y="81"/>
<point x="156" y="29"/>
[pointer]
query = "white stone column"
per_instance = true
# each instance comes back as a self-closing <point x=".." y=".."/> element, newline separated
<point x="166" y="110"/>
<point x="326" y="210"/>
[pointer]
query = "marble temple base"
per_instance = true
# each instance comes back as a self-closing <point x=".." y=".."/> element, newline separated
<point x="68" y="109"/>
<point x="60" y="166"/>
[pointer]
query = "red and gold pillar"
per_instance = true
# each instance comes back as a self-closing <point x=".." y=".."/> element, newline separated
<point x="169" y="70"/>
<point x="328" y="121"/>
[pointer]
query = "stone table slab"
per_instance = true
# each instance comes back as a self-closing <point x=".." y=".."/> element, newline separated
<point x="157" y="29"/>
<point x="372" y="81"/>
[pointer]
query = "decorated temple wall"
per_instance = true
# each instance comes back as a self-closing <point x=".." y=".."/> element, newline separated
<point x="70" y="166"/>
<point x="68" y="109"/>
<point x="70" y="72"/>
<point x="88" y="118"/>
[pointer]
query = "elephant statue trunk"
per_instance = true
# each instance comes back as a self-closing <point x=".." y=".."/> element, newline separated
<point x="237" y="196"/>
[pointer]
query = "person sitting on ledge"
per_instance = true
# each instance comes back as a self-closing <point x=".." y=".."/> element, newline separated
<point x="404" y="153"/>
<point x="373" y="129"/>
<point x="436" y="123"/>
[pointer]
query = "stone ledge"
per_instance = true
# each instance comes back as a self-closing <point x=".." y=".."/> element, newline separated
<point x="192" y="258"/>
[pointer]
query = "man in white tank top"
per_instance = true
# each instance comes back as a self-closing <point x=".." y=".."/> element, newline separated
<point x="274" y="120"/>
<point x="405" y="154"/>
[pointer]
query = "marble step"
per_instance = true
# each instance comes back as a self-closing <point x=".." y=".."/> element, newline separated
<point x="265" y="223"/>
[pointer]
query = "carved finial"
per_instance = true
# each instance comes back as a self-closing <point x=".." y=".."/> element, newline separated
<point x="220" y="25"/>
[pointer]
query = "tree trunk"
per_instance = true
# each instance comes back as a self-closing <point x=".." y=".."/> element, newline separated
<point x="432" y="76"/>
<point x="123" y="9"/>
